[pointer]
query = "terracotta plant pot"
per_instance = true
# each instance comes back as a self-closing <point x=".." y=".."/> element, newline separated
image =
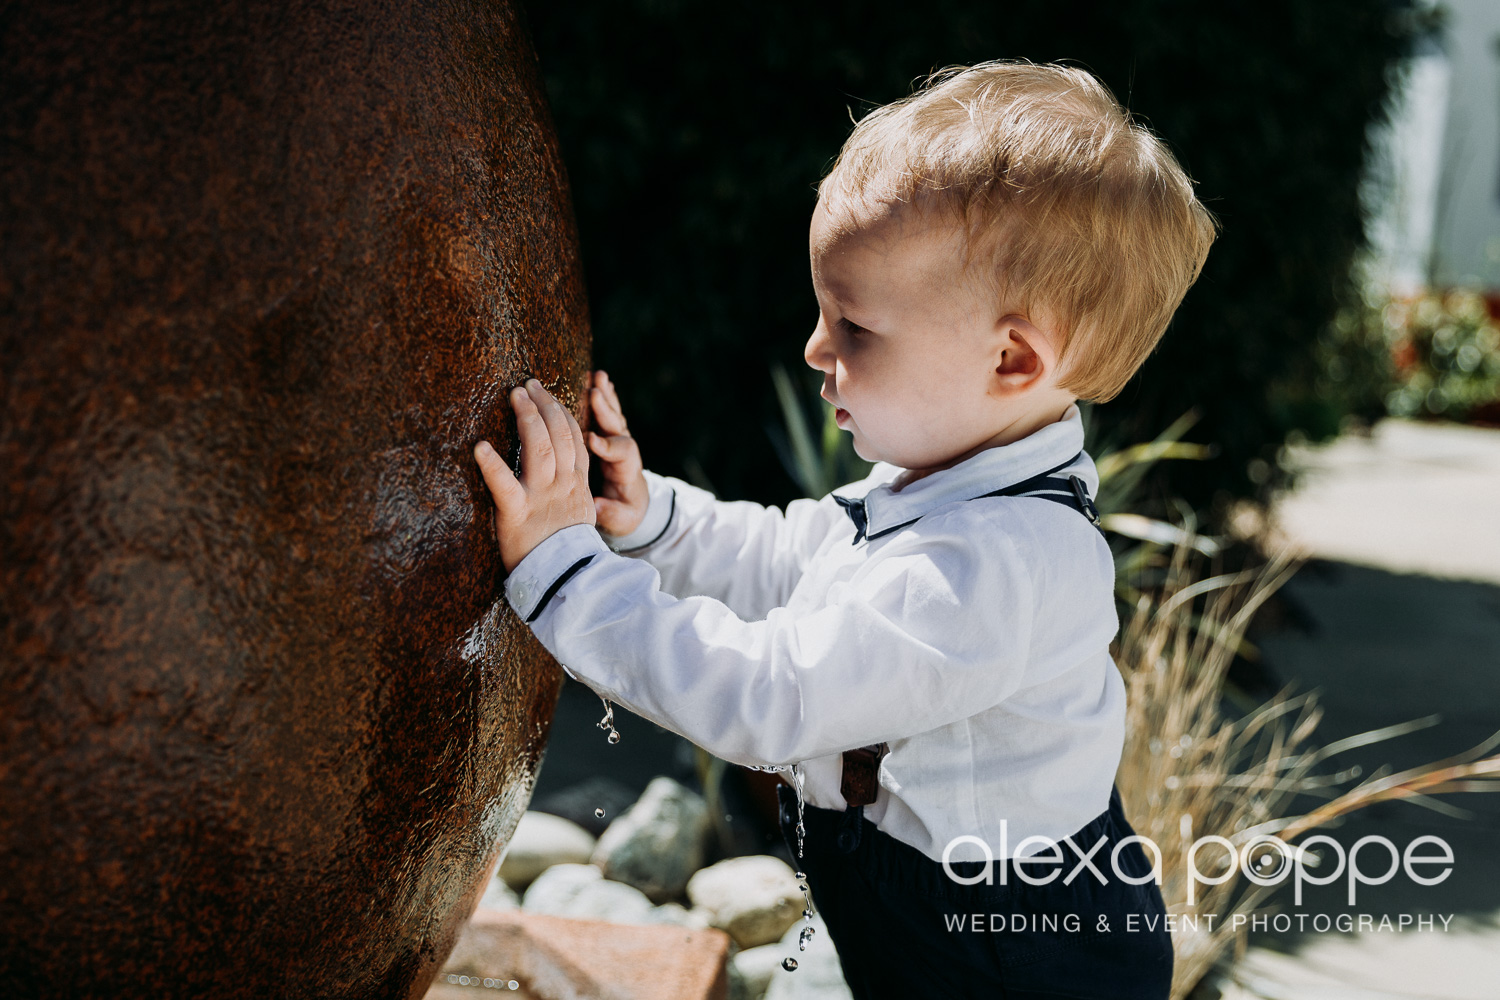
<point x="267" y="271"/>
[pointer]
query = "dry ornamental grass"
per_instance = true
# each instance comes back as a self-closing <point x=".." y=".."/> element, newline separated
<point x="1188" y="771"/>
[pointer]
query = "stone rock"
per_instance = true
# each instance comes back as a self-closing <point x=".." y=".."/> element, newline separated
<point x="754" y="898"/>
<point x="580" y="802"/>
<point x="499" y="896"/>
<point x="738" y="988"/>
<point x="680" y="916"/>
<point x="583" y="892"/>
<point x="818" y="975"/>
<point x="541" y="841"/>
<point x="658" y="844"/>
<point x="752" y="969"/>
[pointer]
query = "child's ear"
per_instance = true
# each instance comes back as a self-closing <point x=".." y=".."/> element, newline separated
<point x="1025" y="358"/>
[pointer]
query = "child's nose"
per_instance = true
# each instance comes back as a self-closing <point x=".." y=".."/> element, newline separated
<point x="819" y="350"/>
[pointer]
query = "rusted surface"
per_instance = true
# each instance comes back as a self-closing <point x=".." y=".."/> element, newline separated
<point x="266" y="272"/>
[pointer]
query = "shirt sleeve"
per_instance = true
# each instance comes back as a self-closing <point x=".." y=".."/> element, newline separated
<point x="746" y="555"/>
<point x="923" y="635"/>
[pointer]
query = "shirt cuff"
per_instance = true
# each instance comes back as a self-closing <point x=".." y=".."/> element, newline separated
<point x="535" y="581"/>
<point x="659" y="512"/>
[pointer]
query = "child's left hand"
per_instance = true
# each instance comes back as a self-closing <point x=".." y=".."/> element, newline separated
<point x="553" y="491"/>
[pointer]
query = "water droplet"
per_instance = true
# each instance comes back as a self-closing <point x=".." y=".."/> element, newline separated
<point x="789" y="964"/>
<point x="608" y="722"/>
<point x="513" y="985"/>
<point x="803" y="938"/>
<point x="802" y="888"/>
<point x="1154" y="746"/>
<point x="807" y="915"/>
<point x="801" y="876"/>
<point x="1172" y="781"/>
<point x="1186" y="740"/>
<point x="1175" y="752"/>
<point x="599" y="812"/>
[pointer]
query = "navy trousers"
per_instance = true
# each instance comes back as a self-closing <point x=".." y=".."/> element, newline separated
<point x="903" y="928"/>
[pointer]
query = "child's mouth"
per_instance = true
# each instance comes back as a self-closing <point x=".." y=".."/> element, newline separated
<point x="840" y="415"/>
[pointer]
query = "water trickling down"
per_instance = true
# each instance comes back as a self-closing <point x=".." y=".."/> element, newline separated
<point x="608" y="722"/>
<point x="799" y="778"/>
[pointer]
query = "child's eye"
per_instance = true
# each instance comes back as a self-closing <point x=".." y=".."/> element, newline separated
<point x="850" y="326"/>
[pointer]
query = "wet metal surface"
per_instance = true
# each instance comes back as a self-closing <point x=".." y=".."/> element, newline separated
<point x="266" y="273"/>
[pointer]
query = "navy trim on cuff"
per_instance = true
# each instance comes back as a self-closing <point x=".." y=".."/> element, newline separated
<point x="557" y="584"/>
<point x="671" y="513"/>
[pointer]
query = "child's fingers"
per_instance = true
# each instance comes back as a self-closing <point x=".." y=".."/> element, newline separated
<point x="607" y="413"/>
<point x="614" y="398"/>
<point x="538" y="459"/>
<point x="608" y="511"/>
<point x="502" y="483"/>
<point x="607" y="390"/>
<point x="556" y="419"/>
<point x="580" y="453"/>
<point x="619" y="451"/>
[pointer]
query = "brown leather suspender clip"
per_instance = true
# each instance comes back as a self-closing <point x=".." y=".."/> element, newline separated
<point x="858" y="784"/>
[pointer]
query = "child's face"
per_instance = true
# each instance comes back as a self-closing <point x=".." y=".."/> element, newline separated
<point x="924" y="371"/>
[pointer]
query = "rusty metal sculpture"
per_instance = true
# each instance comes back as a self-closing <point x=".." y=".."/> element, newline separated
<point x="267" y="272"/>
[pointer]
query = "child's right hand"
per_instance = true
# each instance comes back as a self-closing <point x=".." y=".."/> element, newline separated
<point x="622" y="506"/>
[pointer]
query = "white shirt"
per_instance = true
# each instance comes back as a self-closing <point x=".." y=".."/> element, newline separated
<point x="971" y="635"/>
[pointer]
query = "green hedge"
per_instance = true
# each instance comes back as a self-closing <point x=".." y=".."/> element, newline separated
<point x="695" y="133"/>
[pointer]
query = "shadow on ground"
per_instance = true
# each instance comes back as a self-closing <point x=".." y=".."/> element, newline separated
<point x="1385" y="648"/>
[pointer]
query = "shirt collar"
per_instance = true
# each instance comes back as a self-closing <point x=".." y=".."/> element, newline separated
<point x="989" y="470"/>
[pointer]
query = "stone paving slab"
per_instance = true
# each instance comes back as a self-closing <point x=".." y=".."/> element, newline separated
<point x="1461" y="964"/>
<point x="561" y="958"/>
<point x="1400" y="620"/>
<point x="1410" y="497"/>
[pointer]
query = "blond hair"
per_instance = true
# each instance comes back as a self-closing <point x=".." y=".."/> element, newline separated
<point x="1079" y="213"/>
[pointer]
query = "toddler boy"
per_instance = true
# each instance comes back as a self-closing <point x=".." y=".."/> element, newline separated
<point x="929" y="644"/>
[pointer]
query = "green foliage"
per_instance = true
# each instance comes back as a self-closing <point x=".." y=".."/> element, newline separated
<point x="1446" y="353"/>
<point x="1352" y="361"/>
<point x="694" y="135"/>
<point x="1433" y="355"/>
<point x="818" y="465"/>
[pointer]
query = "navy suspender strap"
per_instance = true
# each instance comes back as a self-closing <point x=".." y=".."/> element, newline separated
<point x="1068" y="491"/>
<point x="858" y="783"/>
